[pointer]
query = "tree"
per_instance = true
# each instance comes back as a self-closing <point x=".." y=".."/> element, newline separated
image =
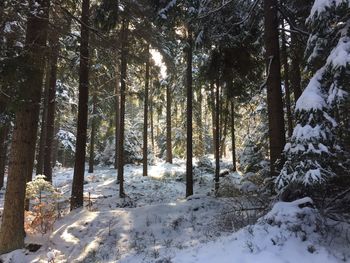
<point x="26" y="125"/>
<point x="314" y="152"/>
<point x="123" y="76"/>
<point x="189" y="95"/>
<point x="77" y="197"/>
<point x="169" y="150"/>
<point x="93" y="133"/>
<point x="51" y="106"/>
<point x="145" y="115"/>
<point x="274" y="93"/>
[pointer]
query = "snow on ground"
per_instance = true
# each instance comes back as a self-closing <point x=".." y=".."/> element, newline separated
<point x="155" y="223"/>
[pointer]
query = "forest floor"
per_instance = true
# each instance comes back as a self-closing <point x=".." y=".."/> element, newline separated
<point x="155" y="223"/>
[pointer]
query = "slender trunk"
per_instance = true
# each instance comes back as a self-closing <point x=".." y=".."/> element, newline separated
<point x="145" y="116"/>
<point x="286" y="82"/>
<point x="152" y="115"/>
<point x="212" y="90"/>
<point x="274" y="93"/>
<point x="25" y="130"/>
<point x="77" y="198"/>
<point x="189" y="95"/>
<point x="217" y="135"/>
<point x="41" y="153"/>
<point x="93" y="134"/>
<point x="4" y="130"/>
<point x="233" y="138"/>
<point x="117" y="116"/>
<point x="295" y="79"/>
<point x="224" y="131"/>
<point x="51" y="107"/>
<point x="200" y="123"/>
<point x="169" y="150"/>
<point x="56" y="140"/>
<point x="123" y="71"/>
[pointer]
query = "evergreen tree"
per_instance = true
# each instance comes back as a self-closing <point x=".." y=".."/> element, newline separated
<point x="313" y="152"/>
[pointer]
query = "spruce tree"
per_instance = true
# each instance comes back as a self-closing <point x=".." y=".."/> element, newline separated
<point x="313" y="152"/>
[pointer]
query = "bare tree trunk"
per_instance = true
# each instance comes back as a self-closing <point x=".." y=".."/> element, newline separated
<point x="56" y="140"/>
<point x="217" y="135"/>
<point x="274" y="93"/>
<point x="295" y="79"/>
<point x="145" y="116"/>
<point x="117" y="116"/>
<point x="233" y="138"/>
<point x="152" y="115"/>
<point x="25" y="130"/>
<point x="123" y="72"/>
<point x="224" y="129"/>
<point x="169" y="150"/>
<point x="4" y="131"/>
<point x="189" y="95"/>
<point x="93" y="134"/>
<point x="286" y="82"/>
<point x="200" y="123"/>
<point x="213" y="110"/>
<point x="51" y="108"/>
<point x="41" y="153"/>
<point x="77" y="198"/>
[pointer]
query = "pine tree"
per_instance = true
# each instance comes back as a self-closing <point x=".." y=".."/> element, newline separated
<point x="26" y="125"/>
<point x="77" y="198"/>
<point x="312" y="154"/>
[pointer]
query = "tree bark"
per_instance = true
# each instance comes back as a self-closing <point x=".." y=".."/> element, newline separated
<point x="169" y="149"/>
<point x="117" y="116"/>
<point x="217" y="135"/>
<point x="145" y="115"/>
<point x="151" y="101"/>
<point x="189" y="95"/>
<point x="286" y="82"/>
<point x="77" y="198"/>
<point x="4" y="131"/>
<point x="295" y="79"/>
<point x="93" y="134"/>
<point x="25" y="130"/>
<point x="51" y="107"/>
<point x="274" y="93"/>
<point x="200" y="123"/>
<point x="233" y="138"/>
<point x="224" y="130"/>
<point x="41" y="153"/>
<point x="123" y="72"/>
<point x="213" y="110"/>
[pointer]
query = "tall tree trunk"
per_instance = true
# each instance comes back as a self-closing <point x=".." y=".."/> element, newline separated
<point x="224" y="130"/>
<point x="169" y="149"/>
<point x="213" y="110"/>
<point x="217" y="135"/>
<point x="295" y="79"/>
<point x="286" y="82"/>
<point x="51" y="107"/>
<point x="233" y="138"/>
<point x="274" y="93"/>
<point x="189" y="95"/>
<point x="200" y="123"/>
<point x="151" y="116"/>
<point x="77" y="198"/>
<point x="117" y="116"/>
<point x="145" y="116"/>
<point x="93" y="134"/>
<point x="55" y="146"/>
<point x="123" y="71"/>
<point x="25" y="130"/>
<point x="4" y="130"/>
<point x="41" y="153"/>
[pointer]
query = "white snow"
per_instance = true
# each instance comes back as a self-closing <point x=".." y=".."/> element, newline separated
<point x="321" y="5"/>
<point x="155" y="222"/>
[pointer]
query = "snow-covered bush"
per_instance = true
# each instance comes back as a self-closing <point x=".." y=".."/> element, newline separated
<point x="43" y="213"/>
